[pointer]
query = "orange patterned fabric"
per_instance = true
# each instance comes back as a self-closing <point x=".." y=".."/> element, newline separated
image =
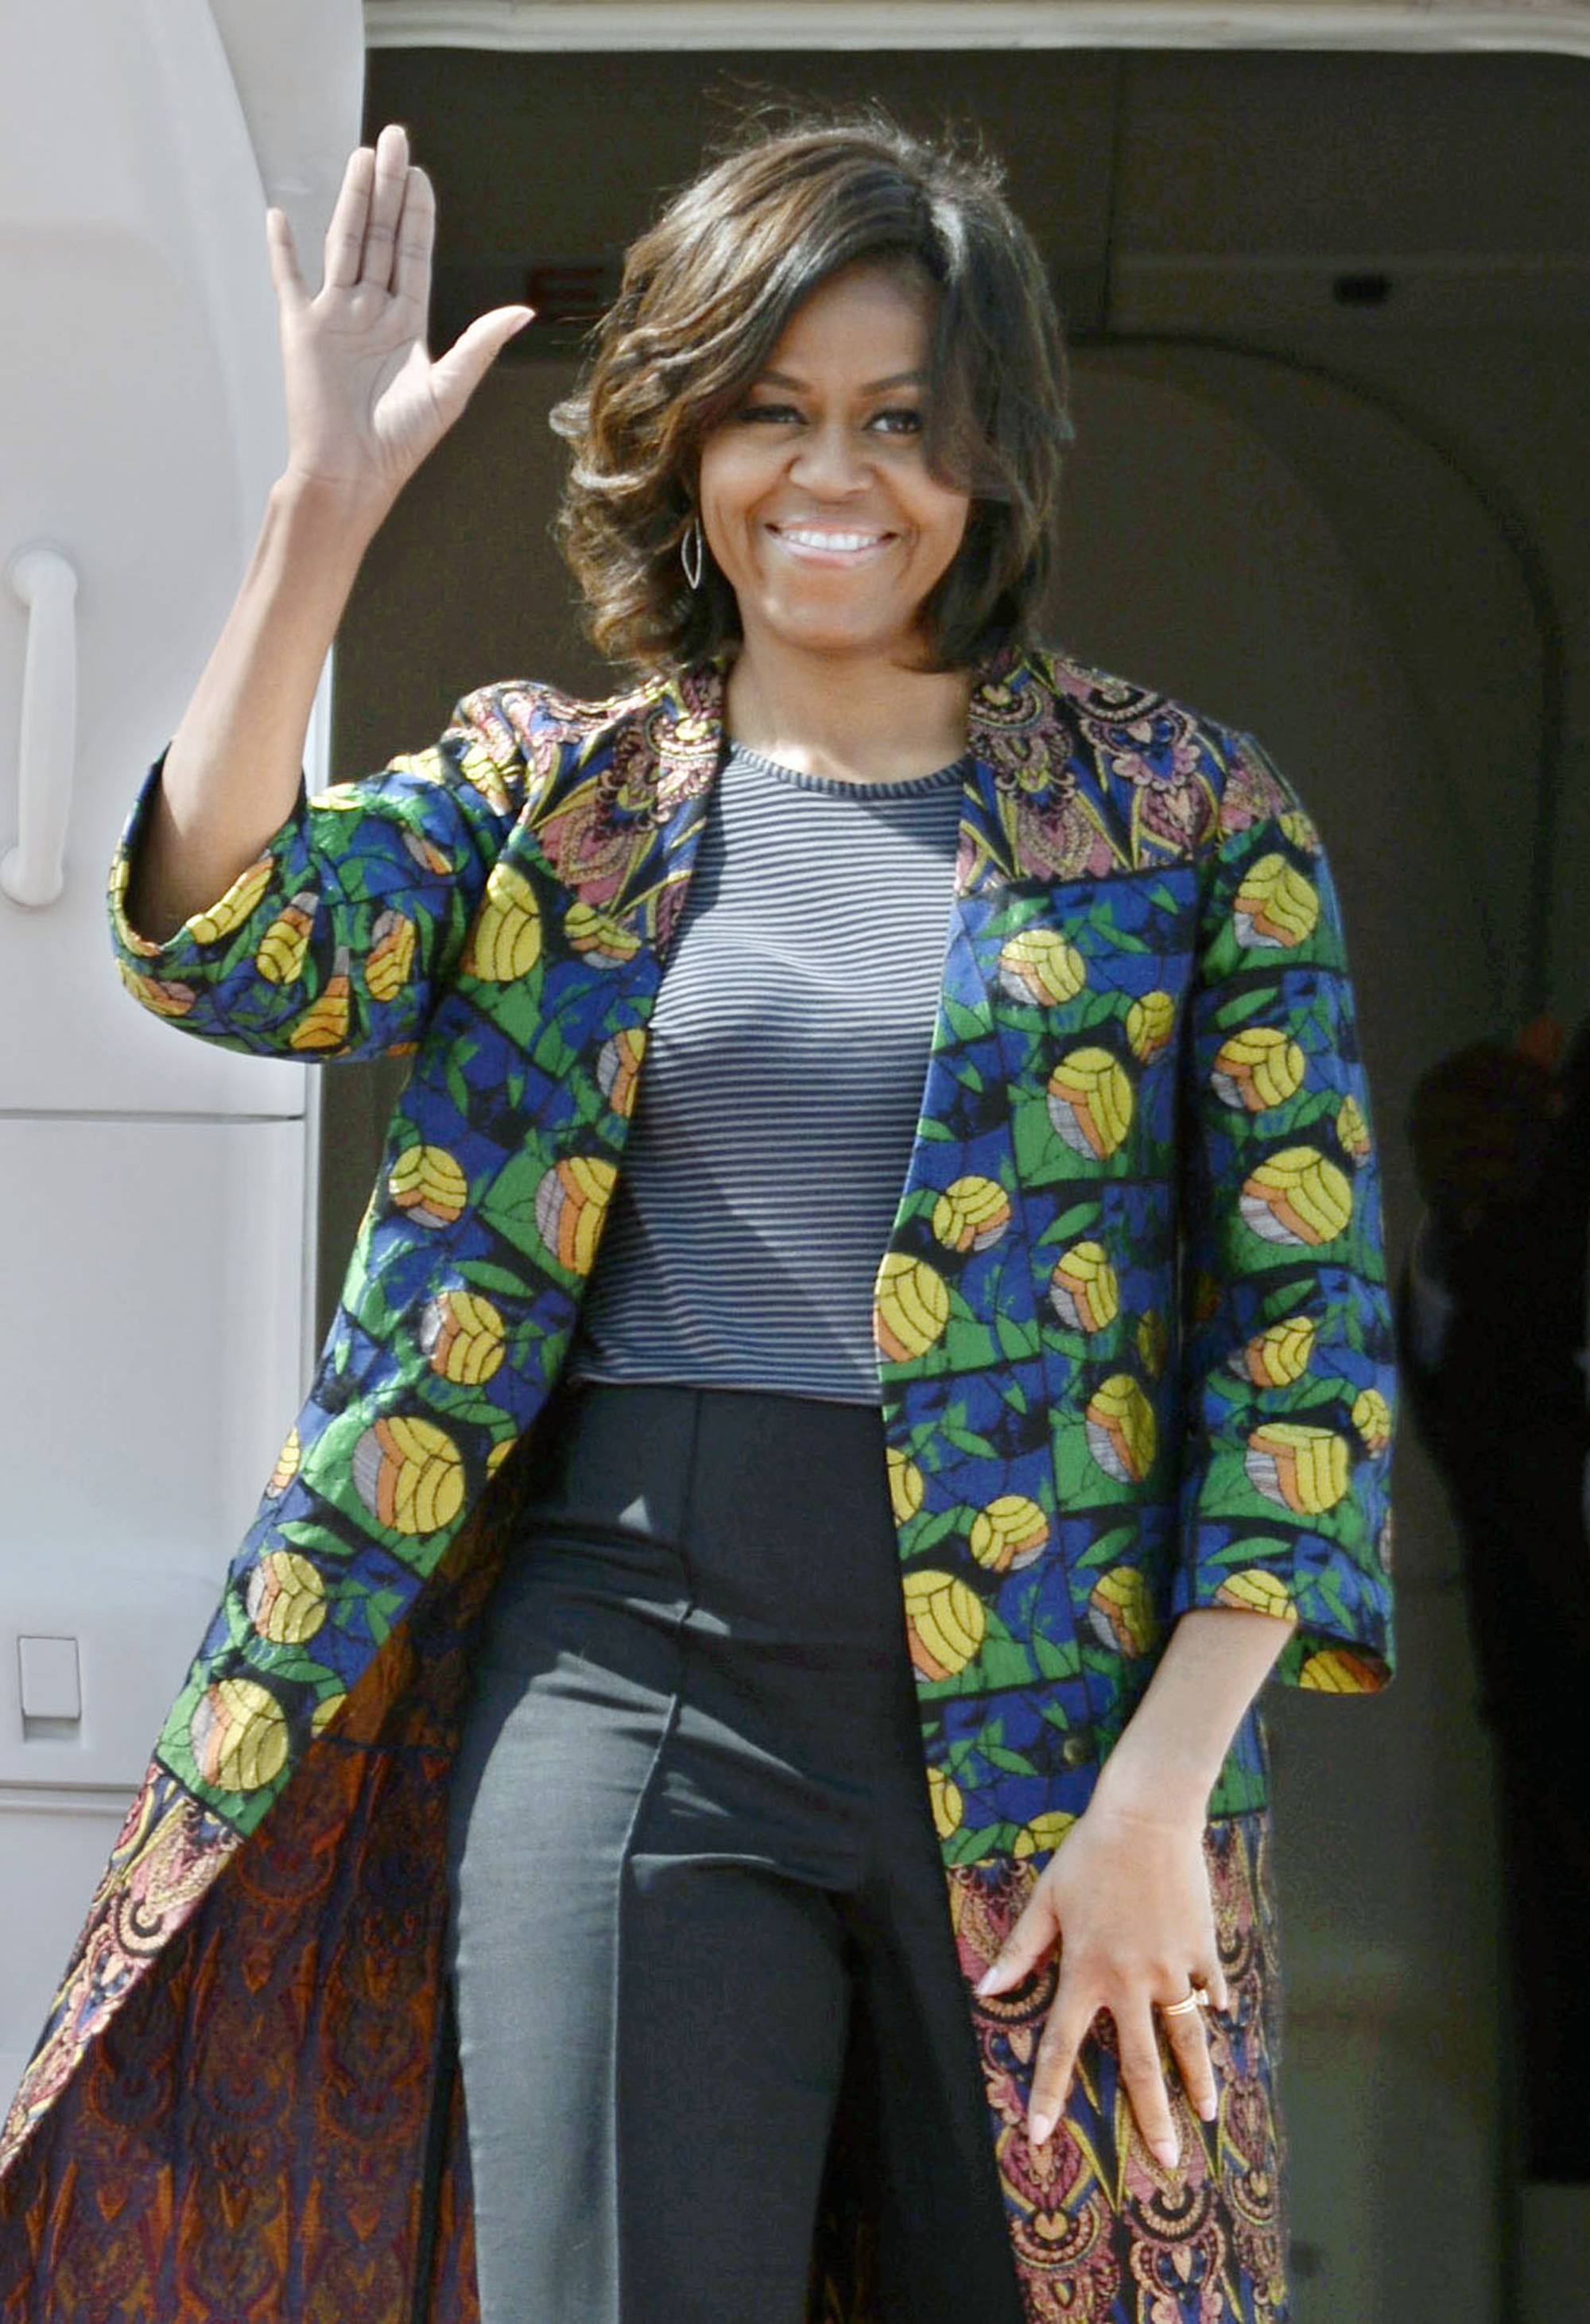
<point x="1103" y="2233"/>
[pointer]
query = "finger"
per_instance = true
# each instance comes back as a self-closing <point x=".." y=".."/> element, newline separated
<point x="281" y="251"/>
<point x="344" y="235"/>
<point x="457" y="374"/>
<point x="1146" y="2082"/>
<point x="1213" y="1981"/>
<point x="416" y="227"/>
<point x="386" y="201"/>
<point x="1071" y="2014"/>
<point x="1035" y="1932"/>
<point x="1189" y="2046"/>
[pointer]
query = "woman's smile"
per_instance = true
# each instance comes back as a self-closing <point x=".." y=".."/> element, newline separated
<point x="825" y="544"/>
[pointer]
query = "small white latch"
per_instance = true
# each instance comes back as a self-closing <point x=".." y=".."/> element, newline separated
<point x="51" y="1687"/>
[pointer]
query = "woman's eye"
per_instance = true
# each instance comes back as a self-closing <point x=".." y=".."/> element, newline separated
<point x="769" y="412"/>
<point x="908" y="418"/>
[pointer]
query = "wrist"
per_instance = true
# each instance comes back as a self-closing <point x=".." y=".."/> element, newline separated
<point x="348" y="508"/>
<point x="1158" y="1791"/>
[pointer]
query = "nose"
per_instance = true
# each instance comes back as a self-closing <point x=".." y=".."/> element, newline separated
<point x="828" y="462"/>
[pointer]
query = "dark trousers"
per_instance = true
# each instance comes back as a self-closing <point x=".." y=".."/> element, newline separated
<point x="690" y="1841"/>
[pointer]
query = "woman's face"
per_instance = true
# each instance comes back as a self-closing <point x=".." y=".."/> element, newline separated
<point x="815" y="496"/>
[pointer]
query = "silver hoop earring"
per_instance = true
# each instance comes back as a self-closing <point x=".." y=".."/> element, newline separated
<point x="693" y="553"/>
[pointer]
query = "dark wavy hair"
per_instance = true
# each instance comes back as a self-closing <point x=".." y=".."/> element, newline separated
<point x="704" y="296"/>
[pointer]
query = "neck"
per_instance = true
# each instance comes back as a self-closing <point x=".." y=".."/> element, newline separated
<point x="858" y="718"/>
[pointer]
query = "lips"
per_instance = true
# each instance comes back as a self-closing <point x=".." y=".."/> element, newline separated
<point x="830" y="543"/>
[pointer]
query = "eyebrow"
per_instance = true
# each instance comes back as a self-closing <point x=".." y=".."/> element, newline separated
<point x="873" y="387"/>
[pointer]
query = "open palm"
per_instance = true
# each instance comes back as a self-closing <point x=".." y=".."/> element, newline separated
<point x="365" y="403"/>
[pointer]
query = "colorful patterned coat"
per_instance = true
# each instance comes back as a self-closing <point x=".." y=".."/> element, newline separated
<point x="1133" y="1350"/>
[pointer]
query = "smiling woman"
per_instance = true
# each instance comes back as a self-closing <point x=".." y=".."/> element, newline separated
<point x="867" y="1344"/>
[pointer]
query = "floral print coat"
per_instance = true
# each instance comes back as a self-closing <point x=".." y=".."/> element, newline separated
<point x="1133" y="1353"/>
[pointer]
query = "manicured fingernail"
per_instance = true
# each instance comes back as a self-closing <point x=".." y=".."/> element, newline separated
<point x="1208" y="2109"/>
<point x="1167" y="2151"/>
<point x="1039" y="2126"/>
<point x="989" y="1979"/>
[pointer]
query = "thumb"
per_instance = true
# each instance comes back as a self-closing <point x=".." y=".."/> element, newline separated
<point x="1026" y="1944"/>
<point x="281" y="255"/>
<point x="456" y="376"/>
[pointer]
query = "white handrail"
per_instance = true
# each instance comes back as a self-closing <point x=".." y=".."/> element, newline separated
<point x="34" y="872"/>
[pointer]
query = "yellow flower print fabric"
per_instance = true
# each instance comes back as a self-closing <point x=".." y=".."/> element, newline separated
<point x="1133" y="1340"/>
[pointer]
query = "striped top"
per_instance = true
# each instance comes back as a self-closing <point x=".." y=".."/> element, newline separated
<point x="784" y="1072"/>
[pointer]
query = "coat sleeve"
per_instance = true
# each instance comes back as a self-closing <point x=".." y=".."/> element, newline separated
<point x="1288" y="1345"/>
<point x="335" y="942"/>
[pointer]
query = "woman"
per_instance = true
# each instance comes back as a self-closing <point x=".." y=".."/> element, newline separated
<point x="620" y="1610"/>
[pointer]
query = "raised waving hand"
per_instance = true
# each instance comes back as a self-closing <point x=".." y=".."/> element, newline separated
<point x="364" y="405"/>
<point x="365" y="402"/>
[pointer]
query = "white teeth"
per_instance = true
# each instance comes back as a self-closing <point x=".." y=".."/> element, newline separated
<point x="829" y="539"/>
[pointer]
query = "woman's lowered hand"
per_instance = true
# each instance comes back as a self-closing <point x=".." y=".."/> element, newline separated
<point x="1127" y="1895"/>
<point x="366" y="404"/>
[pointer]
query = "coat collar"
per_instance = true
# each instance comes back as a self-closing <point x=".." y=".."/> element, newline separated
<point x="1073" y="775"/>
<point x="1023" y="813"/>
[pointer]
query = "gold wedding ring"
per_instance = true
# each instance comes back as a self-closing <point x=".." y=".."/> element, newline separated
<point x="1196" y="1997"/>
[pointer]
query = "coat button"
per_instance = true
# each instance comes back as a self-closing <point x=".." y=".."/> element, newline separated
<point x="1075" y="1749"/>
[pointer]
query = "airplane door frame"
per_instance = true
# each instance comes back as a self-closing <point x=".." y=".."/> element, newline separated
<point x="1560" y="28"/>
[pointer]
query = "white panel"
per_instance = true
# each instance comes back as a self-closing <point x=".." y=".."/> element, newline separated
<point x="151" y="434"/>
<point x="150" y="1364"/>
<point x="49" y="1670"/>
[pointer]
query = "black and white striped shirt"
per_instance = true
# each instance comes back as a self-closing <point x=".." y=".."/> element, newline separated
<point x="783" y="1081"/>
